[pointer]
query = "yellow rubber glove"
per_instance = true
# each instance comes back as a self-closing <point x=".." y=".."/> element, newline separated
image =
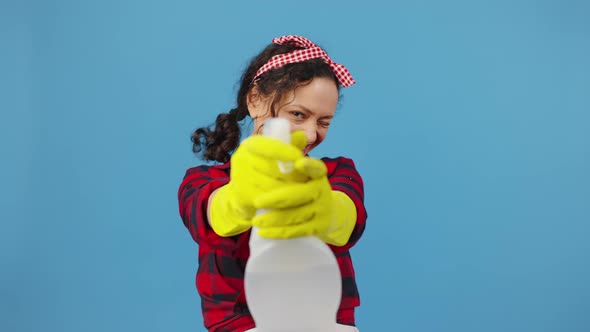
<point x="310" y="208"/>
<point x="254" y="171"/>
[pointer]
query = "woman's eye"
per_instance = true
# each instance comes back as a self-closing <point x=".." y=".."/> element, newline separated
<point x="325" y="124"/>
<point x="298" y="115"/>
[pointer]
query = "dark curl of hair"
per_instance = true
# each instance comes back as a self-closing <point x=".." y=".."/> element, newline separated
<point x="218" y="141"/>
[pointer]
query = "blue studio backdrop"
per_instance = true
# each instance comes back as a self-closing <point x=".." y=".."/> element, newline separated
<point x="470" y="125"/>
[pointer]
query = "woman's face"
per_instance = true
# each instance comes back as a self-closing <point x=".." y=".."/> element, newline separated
<point x="310" y="108"/>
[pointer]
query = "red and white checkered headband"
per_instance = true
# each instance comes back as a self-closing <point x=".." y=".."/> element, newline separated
<point x="310" y="51"/>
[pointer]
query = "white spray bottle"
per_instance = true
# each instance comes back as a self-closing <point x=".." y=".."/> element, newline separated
<point x="291" y="285"/>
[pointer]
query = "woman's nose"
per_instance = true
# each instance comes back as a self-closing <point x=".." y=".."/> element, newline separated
<point x="311" y="134"/>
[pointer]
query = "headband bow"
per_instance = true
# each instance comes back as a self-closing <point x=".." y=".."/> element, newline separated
<point x="309" y="51"/>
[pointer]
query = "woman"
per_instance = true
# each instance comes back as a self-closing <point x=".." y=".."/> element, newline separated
<point x="294" y="79"/>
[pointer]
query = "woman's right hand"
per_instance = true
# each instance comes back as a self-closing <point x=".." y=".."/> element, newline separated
<point x="254" y="171"/>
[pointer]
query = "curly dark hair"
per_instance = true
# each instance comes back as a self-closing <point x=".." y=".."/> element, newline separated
<point x="218" y="141"/>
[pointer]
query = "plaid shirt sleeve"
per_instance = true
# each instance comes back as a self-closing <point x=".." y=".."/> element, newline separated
<point x="193" y="196"/>
<point x="222" y="260"/>
<point x="344" y="177"/>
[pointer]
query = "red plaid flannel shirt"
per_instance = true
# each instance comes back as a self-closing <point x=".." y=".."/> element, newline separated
<point x="222" y="260"/>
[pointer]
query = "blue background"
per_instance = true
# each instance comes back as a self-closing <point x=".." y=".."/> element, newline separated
<point x="469" y="123"/>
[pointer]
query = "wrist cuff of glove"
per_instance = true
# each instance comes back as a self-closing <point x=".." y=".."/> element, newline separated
<point x="224" y="219"/>
<point x="343" y="220"/>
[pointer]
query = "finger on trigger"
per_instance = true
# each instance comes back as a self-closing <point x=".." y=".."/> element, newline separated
<point x="298" y="139"/>
<point x="271" y="148"/>
<point x="314" y="168"/>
